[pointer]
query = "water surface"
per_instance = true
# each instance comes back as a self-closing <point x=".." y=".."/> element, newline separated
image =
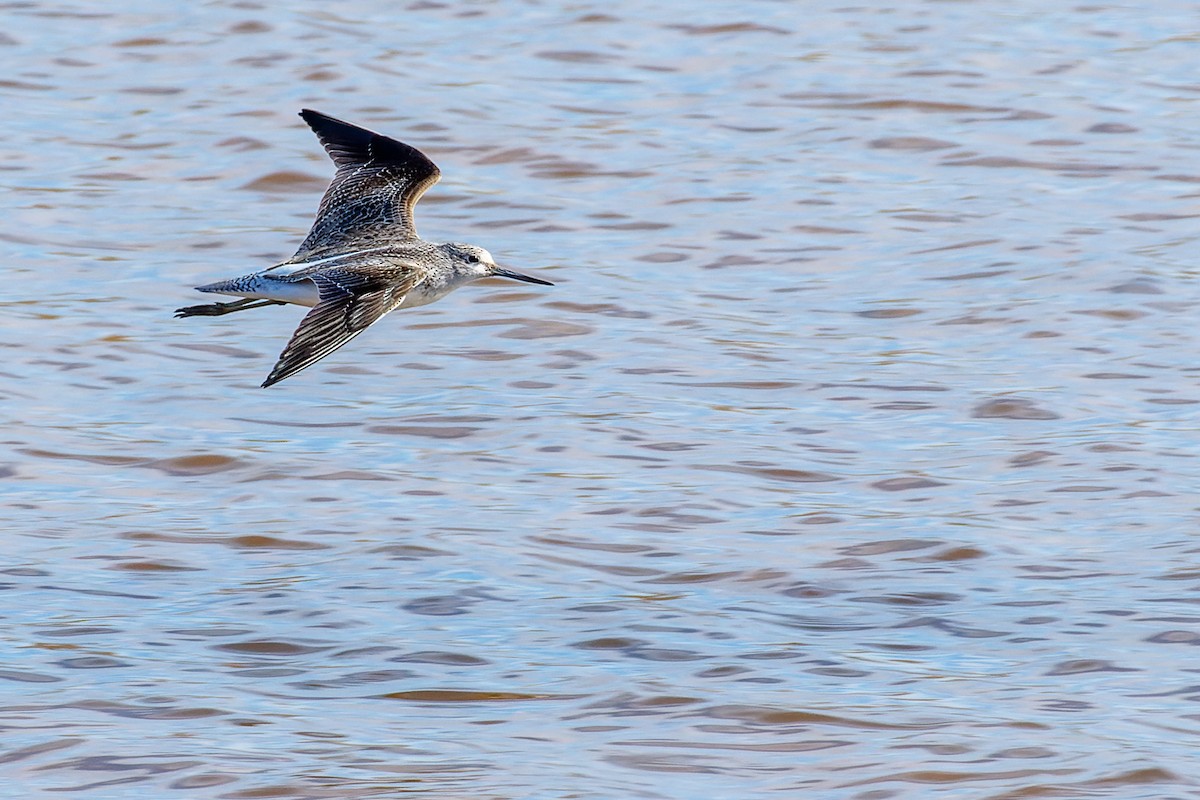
<point x="853" y="454"/>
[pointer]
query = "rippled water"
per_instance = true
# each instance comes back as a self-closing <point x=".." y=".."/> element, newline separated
<point x="853" y="454"/>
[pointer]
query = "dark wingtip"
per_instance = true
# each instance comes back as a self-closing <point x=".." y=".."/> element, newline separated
<point x="318" y="121"/>
<point x="353" y="145"/>
<point x="278" y="373"/>
<point x="274" y="377"/>
<point x="307" y="114"/>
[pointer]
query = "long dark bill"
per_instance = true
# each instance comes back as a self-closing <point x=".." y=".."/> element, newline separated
<point x="500" y="272"/>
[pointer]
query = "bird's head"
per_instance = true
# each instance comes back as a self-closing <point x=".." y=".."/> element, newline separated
<point x="475" y="262"/>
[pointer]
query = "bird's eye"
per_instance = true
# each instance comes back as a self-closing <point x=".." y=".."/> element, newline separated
<point x="474" y="259"/>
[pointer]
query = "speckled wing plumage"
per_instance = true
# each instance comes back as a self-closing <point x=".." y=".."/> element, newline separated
<point x="351" y="301"/>
<point x="370" y="201"/>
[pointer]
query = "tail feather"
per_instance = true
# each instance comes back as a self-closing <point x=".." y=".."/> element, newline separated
<point x="231" y="286"/>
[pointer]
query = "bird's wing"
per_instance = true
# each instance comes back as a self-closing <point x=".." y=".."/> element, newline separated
<point x="350" y="302"/>
<point x="371" y="198"/>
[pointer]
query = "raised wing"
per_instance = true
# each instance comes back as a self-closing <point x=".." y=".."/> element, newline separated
<point x="371" y="198"/>
<point x="350" y="303"/>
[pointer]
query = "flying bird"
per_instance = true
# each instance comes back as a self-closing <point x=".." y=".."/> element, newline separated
<point x="363" y="257"/>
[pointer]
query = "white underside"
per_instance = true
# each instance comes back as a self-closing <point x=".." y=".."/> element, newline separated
<point x="304" y="293"/>
<point x="301" y="293"/>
